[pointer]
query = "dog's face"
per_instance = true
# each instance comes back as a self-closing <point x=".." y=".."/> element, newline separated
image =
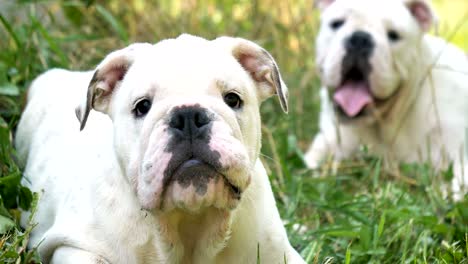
<point x="186" y="117"/>
<point x="366" y="50"/>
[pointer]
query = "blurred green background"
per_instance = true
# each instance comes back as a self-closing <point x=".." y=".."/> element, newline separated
<point x="77" y="34"/>
<point x="359" y="214"/>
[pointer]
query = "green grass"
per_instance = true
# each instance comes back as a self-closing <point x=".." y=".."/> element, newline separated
<point x="358" y="214"/>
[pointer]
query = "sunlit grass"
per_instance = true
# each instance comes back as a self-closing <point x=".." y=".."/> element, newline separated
<point x="453" y="15"/>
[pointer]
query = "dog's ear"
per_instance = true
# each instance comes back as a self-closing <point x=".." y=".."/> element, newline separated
<point x="106" y="79"/>
<point x="260" y="65"/>
<point x="423" y="12"/>
<point x="322" y="4"/>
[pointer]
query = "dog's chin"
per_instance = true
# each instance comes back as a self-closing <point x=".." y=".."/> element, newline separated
<point x="195" y="186"/>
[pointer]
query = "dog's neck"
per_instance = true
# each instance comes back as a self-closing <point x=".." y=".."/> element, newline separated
<point x="215" y="235"/>
<point x="194" y="237"/>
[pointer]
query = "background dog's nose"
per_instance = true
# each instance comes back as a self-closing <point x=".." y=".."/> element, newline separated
<point x="190" y="121"/>
<point x="360" y="41"/>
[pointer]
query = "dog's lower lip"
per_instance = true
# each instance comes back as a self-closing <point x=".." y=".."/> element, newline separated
<point x="196" y="162"/>
<point x="191" y="163"/>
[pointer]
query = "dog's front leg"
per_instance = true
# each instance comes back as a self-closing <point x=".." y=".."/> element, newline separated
<point x="333" y="140"/>
<point x="460" y="180"/>
<point x="71" y="255"/>
<point x="336" y="144"/>
<point x="318" y="151"/>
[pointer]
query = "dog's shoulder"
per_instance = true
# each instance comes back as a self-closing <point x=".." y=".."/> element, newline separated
<point x="51" y="98"/>
<point x="445" y="54"/>
<point x="56" y="82"/>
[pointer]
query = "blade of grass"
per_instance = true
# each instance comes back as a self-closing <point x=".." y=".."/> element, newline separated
<point x="10" y="31"/>
<point x="114" y="23"/>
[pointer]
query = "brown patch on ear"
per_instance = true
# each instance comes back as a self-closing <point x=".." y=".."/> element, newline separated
<point x="263" y="69"/>
<point x="249" y="64"/>
<point x="101" y="86"/>
<point x="322" y="4"/>
<point x="422" y="12"/>
<point x="106" y="78"/>
<point x="113" y="75"/>
<point x="283" y="96"/>
<point x="82" y="114"/>
<point x="274" y="78"/>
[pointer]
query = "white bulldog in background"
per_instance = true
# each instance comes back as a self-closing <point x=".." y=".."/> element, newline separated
<point x="389" y="85"/>
<point x="170" y="172"/>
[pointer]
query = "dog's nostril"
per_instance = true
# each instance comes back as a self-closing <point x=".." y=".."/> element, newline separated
<point x="201" y="119"/>
<point x="178" y="122"/>
<point x="189" y="120"/>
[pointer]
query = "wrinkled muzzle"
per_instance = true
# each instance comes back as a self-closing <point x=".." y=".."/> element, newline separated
<point x="192" y="161"/>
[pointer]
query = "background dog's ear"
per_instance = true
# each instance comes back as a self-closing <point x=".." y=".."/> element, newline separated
<point x="106" y="78"/>
<point x="423" y="12"/>
<point x="260" y="65"/>
<point x="322" y="4"/>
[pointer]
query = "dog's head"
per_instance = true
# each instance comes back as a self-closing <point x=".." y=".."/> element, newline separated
<point x="186" y="117"/>
<point x="367" y="50"/>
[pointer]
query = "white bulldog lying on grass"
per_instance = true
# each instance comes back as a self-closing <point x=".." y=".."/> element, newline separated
<point x="390" y="86"/>
<point x="168" y="172"/>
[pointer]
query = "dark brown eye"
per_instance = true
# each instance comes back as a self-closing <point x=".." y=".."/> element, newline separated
<point x="142" y="108"/>
<point x="233" y="100"/>
<point x="393" y="36"/>
<point x="336" y="24"/>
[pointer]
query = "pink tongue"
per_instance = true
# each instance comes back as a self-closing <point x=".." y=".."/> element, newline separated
<point x="352" y="97"/>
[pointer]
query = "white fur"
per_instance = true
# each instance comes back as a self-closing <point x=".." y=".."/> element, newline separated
<point x="92" y="188"/>
<point x="423" y="78"/>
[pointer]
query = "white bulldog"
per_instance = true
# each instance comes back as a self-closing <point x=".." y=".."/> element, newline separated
<point x="170" y="172"/>
<point x="389" y="85"/>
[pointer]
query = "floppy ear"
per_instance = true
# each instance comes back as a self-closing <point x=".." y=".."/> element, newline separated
<point x="423" y="12"/>
<point x="260" y="65"/>
<point x="106" y="78"/>
<point x="322" y="4"/>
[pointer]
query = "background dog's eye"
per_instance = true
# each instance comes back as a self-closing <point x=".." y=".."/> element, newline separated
<point x="233" y="100"/>
<point x="142" y="107"/>
<point x="336" y="24"/>
<point x="393" y="36"/>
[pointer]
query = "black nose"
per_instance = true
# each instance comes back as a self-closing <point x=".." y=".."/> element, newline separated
<point x="190" y="121"/>
<point x="360" y="42"/>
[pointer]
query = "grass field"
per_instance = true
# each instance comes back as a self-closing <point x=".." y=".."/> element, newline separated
<point x="360" y="214"/>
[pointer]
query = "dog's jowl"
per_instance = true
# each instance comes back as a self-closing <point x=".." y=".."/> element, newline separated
<point x="166" y="166"/>
<point x="389" y="85"/>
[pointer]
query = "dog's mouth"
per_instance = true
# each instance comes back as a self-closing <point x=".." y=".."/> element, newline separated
<point x="353" y="95"/>
<point x="196" y="183"/>
<point x="353" y="98"/>
<point x="199" y="173"/>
